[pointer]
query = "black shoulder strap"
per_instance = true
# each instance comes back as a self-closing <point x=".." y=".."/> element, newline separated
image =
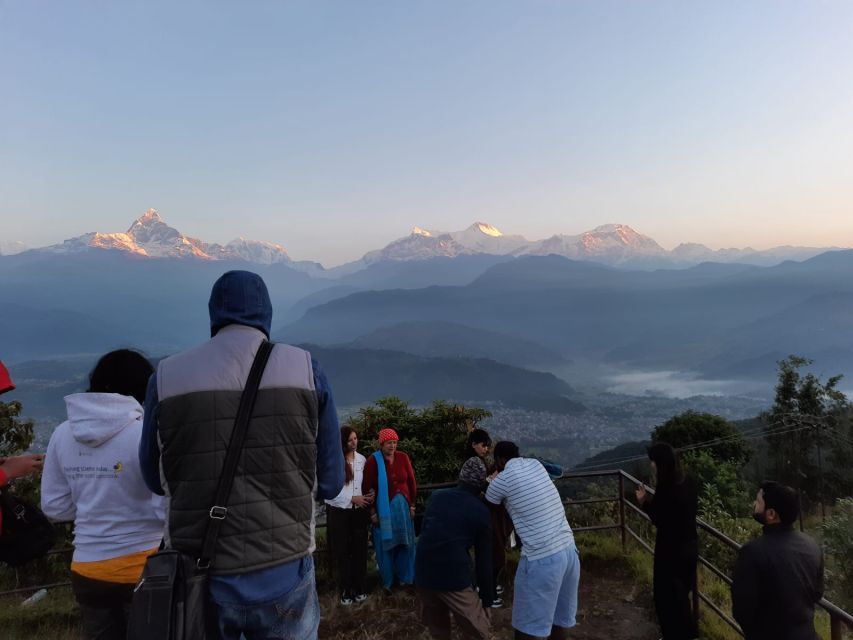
<point x="235" y="446"/>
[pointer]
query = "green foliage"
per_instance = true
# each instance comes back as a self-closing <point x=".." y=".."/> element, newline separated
<point x="717" y="468"/>
<point x="16" y="435"/>
<point x="434" y="437"/>
<point x="692" y="428"/>
<point x="712" y="509"/>
<point x="720" y="480"/>
<point x="801" y="426"/>
<point x="838" y="542"/>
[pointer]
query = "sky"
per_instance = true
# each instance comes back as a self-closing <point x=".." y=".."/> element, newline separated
<point x="334" y="127"/>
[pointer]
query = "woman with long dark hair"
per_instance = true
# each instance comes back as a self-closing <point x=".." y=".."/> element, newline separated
<point x="92" y="476"/>
<point x="672" y="510"/>
<point x="347" y="523"/>
<point x="478" y="445"/>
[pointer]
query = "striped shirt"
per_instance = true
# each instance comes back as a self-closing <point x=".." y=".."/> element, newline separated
<point x="534" y="504"/>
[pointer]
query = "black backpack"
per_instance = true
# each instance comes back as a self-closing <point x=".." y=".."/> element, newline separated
<point x="27" y="533"/>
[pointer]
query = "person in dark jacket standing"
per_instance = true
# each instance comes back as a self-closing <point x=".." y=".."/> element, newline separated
<point x="455" y="520"/>
<point x="778" y="577"/>
<point x="672" y="510"/>
<point x="262" y="573"/>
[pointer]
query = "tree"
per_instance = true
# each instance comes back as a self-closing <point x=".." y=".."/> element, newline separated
<point x="705" y="431"/>
<point x="16" y="435"/>
<point x="805" y="412"/>
<point x="720" y="482"/>
<point x="714" y="452"/>
<point x="434" y="437"/>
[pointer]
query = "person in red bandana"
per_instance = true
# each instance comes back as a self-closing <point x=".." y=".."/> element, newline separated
<point x="393" y="510"/>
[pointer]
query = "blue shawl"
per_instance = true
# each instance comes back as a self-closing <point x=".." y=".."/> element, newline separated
<point x="383" y="506"/>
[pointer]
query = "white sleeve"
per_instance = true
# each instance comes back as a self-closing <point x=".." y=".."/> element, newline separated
<point x="56" y="501"/>
<point x="496" y="491"/>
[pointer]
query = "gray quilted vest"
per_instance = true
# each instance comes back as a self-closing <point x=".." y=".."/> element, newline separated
<point x="271" y="509"/>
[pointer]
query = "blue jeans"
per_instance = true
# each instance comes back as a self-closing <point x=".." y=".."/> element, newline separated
<point x="294" y="615"/>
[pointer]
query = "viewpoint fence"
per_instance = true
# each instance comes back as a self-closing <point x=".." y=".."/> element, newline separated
<point x="837" y="616"/>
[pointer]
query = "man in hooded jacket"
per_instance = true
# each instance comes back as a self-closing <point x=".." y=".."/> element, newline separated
<point x="262" y="573"/>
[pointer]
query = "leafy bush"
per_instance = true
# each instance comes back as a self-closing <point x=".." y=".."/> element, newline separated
<point x="720" y="481"/>
<point x="838" y="541"/>
<point x="434" y="437"/>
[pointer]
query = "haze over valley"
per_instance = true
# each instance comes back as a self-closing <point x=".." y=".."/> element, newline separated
<point x="574" y="350"/>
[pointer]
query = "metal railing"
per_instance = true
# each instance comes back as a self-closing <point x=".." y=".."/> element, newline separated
<point x="837" y="616"/>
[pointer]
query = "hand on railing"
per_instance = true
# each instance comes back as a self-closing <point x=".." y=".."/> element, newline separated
<point x="641" y="493"/>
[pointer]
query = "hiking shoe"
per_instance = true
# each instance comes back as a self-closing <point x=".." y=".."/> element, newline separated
<point x="361" y="597"/>
<point x="497" y="603"/>
<point x="499" y="589"/>
<point x="346" y="601"/>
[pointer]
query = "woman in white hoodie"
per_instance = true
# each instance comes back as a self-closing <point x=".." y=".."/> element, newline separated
<point x="91" y="476"/>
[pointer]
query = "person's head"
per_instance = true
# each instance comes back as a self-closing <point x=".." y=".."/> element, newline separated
<point x="479" y="443"/>
<point x="240" y="297"/>
<point x="473" y="473"/>
<point x="349" y="444"/>
<point x="665" y="464"/>
<point x="504" y="452"/>
<point x="123" y="371"/>
<point x="349" y="439"/>
<point x="388" y="440"/>
<point x="775" y="503"/>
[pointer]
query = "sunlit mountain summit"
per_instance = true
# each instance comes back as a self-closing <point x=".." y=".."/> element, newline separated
<point x="151" y="237"/>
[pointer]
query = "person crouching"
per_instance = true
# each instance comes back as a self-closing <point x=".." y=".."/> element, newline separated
<point x="455" y="520"/>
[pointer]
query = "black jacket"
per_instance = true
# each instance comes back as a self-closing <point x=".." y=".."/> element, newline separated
<point x="455" y="520"/>
<point x="778" y="579"/>
<point x="673" y="512"/>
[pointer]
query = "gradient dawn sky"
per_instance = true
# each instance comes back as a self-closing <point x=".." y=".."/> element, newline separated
<point x="333" y="127"/>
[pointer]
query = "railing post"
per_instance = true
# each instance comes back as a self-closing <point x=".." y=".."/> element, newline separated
<point x="834" y="627"/>
<point x="622" y="509"/>
<point x="696" y="599"/>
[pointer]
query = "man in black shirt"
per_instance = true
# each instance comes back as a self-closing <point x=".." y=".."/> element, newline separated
<point x="778" y="577"/>
<point x="455" y="521"/>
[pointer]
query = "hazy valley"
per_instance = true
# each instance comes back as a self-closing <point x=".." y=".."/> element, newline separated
<point x="570" y="355"/>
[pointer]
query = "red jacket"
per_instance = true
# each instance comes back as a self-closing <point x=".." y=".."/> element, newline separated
<point x="5" y="380"/>
<point x="401" y="478"/>
<point x="5" y="385"/>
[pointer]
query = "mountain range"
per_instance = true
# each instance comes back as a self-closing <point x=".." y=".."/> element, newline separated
<point x="612" y="244"/>
<point x="583" y="320"/>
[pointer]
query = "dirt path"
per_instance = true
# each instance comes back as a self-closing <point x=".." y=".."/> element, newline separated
<point x="611" y="607"/>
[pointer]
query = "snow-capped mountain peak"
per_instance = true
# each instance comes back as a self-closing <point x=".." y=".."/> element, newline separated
<point x="422" y="244"/>
<point x="11" y="247"/>
<point x="485" y="238"/>
<point x="487" y="229"/>
<point x="150" y="216"/>
<point x="151" y="237"/>
<point x="257" y="251"/>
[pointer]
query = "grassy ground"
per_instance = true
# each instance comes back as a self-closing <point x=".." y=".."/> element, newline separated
<point x="615" y="603"/>
<point x="54" y="617"/>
